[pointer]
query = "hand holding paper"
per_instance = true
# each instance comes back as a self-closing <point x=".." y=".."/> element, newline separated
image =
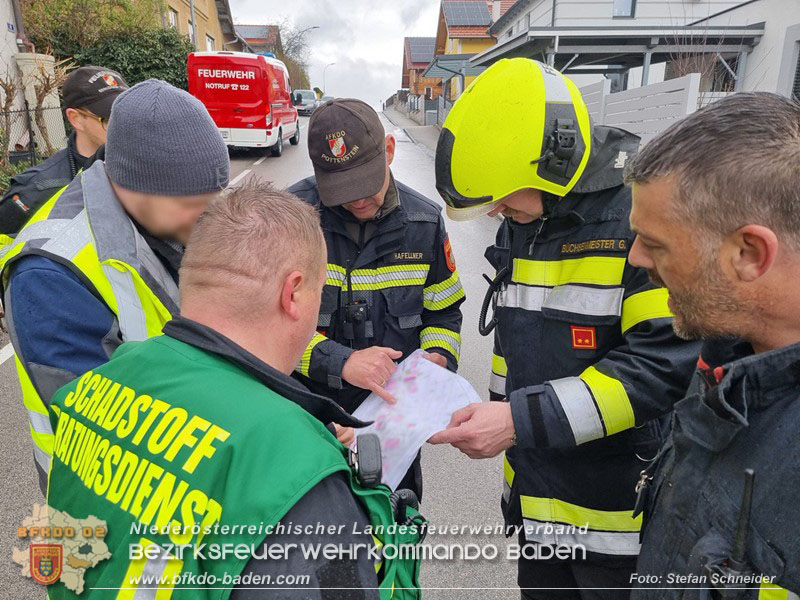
<point x="427" y="395"/>
<point x="481" y="430"/>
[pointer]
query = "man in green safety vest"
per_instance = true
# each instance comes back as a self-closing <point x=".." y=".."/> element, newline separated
<point x="203" y="437"/>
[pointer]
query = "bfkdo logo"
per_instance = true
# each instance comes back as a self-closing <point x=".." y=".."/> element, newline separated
<point x="62" y="548"/>
<point x="46" y="562"/>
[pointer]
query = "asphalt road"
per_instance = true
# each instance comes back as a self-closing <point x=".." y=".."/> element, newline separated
<point x="458" y="492"/>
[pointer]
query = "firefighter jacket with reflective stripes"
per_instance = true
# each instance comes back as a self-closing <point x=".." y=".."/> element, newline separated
<point x="205" y="440"/>
<point x="405" y="278"/>
<point x="585" y="352"/>
<point x="740" y="413"/>
<point x="85" y="229"/>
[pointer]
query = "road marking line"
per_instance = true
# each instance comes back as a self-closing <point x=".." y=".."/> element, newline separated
<point x="239" y="177"/>
<point x="259" y="161"/>
<point x="6" y="353"/>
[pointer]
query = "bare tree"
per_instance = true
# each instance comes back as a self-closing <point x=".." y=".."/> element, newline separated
<point x="703" y="55"/>
<point x="294" y="52"/>
<point x="10" y="85"/>
<point x="44" y="84"/>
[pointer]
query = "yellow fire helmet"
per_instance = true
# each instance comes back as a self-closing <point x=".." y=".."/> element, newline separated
<point x="521" y="124"/>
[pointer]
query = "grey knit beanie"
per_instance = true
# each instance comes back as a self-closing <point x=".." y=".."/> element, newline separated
<point x="161" y="140"/>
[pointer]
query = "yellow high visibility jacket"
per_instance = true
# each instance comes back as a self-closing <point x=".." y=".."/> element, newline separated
<point x="86" y="229"/>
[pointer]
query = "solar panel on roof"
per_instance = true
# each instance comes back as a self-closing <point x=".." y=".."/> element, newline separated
<point x="252" y="31"/>
<point x="466" y="13"/>
<point x="421" y="49"/>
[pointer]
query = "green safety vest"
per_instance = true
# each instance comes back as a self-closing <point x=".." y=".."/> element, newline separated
<point x="169" y="434"/>
<point x="85" y="228"/>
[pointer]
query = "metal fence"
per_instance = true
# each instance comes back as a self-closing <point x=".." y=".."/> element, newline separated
<point x="443" y="106"/>
<point x="30" y="134"/>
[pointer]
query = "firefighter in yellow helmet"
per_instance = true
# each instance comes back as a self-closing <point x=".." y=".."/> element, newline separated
<point x="585" y="361"/>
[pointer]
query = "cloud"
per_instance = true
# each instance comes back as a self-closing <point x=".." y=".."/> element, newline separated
<point x="363" y="38"/>
<point x="413" y="10"/>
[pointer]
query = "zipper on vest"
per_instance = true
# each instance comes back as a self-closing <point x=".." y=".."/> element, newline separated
<point x="536" y="235"/>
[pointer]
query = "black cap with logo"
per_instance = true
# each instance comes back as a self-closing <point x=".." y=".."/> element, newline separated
<point x="93" y="88"/>
<point x="346" y="145"/>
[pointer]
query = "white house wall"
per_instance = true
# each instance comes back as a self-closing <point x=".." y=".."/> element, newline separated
<point x="600" y="13"/>
<point x="648" y="12"/>
<point x="8" y="43"/>
<point x="771" y="64"/>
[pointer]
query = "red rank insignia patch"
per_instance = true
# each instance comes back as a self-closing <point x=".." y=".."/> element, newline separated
<point x="448" y="255"/>
<point x="584" y="338"/>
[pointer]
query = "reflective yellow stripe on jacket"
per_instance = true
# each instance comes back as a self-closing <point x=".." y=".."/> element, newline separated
<point x="497" y="378"/>
<point x="644" y="306"/>
<point x="439" y="337"/>
<point x="378" y="279"/>
<point x="556" y="522"/>
<point x="305" y="360"/>
<point x="595" y="270"/>
<point x="441" y="295"/>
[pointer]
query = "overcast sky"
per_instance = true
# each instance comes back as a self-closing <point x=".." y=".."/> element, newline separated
<point x="363" y="37"/>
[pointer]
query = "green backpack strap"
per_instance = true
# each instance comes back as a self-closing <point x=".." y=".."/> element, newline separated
<point x="398" y="575"/>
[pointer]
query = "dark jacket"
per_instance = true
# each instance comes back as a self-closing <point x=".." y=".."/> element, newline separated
<point x="33" y="187"/>
<point x="404" y="273"/>
<point x="741" y="413"/>
<point x="585" y="351"/>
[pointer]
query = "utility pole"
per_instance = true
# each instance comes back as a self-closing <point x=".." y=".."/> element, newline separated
<point x="24" y="44"/>
<point x="194" y="24"/>
<point x="325" y="87"/>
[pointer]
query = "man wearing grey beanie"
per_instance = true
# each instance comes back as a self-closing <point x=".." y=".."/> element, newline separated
<point x="101" y="267"/>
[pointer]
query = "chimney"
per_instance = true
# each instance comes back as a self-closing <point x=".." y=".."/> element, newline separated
<point x="495" y="10"/>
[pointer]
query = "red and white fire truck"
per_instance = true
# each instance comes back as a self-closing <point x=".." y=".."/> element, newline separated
<point x="249" y="96"/>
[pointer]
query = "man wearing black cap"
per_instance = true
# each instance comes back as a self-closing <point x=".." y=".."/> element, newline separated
<point x="392" y="285"/>
<point x="88" y="94"/>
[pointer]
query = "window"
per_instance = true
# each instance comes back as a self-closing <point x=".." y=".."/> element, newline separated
<point x="191" y="30"/>
<point x="210" y="44"/>
<point x="624" y="8"/>
<point x="527" y="21"/>
<point x="428" y="93"/>
<point x="172" y="18"/>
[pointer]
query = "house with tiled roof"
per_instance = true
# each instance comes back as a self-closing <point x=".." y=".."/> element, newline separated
<point x="462" y="32"/>
<point x="417" y="55"/>
<point x="736" y="45"/>
<point x="208" y="23"/>
<point x="262" y="38"/>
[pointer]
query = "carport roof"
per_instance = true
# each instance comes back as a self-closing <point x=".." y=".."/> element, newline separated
<point x="450" y="65"/>
<point x="623" y="46"/>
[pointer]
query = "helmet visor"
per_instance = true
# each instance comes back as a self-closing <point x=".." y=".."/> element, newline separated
<point x="469" y="213"/>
